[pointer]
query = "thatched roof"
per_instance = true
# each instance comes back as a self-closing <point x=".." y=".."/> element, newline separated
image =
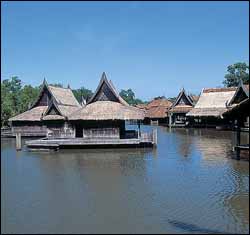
<point x="194" y="98"/>
<point x="156" y="112"/>
<point x="107" y="110"/>
<point x="34" y="114"/>
<point x="180" y="109"/>
<point x="106" y="104"/>
<point x="212" y="102"/>
<point x="157" y="108"/>
<point x="63" y="96"/>
<point x="141" y="106"/>
<point x="60" y="111"/>
<point x="159" y="102"/>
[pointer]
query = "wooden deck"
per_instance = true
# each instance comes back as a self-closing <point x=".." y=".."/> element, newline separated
<point x="146" y="140"/>
<point x="8" y="133"/>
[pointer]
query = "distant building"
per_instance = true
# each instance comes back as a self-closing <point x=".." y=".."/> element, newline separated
<point x="182" y="105"/>
<point x="156" y="111"/>
<point x="213" y="103"/>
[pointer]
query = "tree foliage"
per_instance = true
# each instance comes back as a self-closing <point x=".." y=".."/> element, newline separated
<point x="15" y="99"/>
<point x="129" y="97"/>
<point x="56" y="85"/>
<point x="82" y="93"/>
<point x="235" y="73"/>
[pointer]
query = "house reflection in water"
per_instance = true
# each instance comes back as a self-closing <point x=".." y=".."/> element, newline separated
<point x="238" y="201"/>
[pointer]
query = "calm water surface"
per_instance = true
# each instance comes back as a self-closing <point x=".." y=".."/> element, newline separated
<point x="188" y="184"/>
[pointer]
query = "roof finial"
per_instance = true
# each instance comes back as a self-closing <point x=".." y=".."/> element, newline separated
<point x="83" y="102"/>
<point x="44" y="81"/>
<point x="104" y="75"/>
<point x="240" y="82"/>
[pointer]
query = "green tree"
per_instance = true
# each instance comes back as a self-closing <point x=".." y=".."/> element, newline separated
<point x="82" y="93"/>
<point x="160" y="97"/>
<point x="129" y="97"/>
<point x="13" y="87"/>
<point x="57" y="85"/>
<point x="6" y="105"/>
<point x="28" y="96"/>
<point x="236" y="72"/>
<point x="172" y="99"/>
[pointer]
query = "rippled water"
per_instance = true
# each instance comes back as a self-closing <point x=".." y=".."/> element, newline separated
<point x="188" y="184"/>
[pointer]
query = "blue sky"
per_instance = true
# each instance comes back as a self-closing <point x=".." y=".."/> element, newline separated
<point x="155" y="48"/>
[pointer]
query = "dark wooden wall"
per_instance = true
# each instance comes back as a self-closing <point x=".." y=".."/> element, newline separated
<point x="29" y="128"/>
<point x="105" y="94"/>
<point x="44" y="99"/>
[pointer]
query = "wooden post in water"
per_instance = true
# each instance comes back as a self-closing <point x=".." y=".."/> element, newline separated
<point x="155" y="137"/>
<point x="238" y="140"/>
<point x="18" y="142"/>
<point x="170" y="120"/>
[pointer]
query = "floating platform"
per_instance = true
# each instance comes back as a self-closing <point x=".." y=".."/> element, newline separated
<point x="146" y="140"/>
<point x="57" y="144"/>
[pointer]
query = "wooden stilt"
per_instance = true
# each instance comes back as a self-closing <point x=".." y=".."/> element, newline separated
<point x="18" y="142"/>
<point x="155" y="137"/>
<point x="170" y="120"/>
<point x="238" y="141"/>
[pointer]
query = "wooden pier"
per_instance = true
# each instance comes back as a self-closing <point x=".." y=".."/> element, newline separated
<point x="145" y="140"/>
<point x="9" y="133"/>
<point x="239" y="146"/>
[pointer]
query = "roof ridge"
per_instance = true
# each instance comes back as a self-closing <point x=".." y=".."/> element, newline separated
<point x="60" y="87"/>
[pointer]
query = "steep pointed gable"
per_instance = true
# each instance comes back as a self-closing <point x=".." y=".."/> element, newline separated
<point x="63" y="96"/>
<point x="106" y="92"/>
<point x="241" y="94"/>
<point x="44" y="96"/>
<point x="53" y="109"/>
<point x="183" y="99"/>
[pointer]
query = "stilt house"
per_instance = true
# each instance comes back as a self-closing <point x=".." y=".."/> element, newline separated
<point x="210" y="107"/>
<point x="50" y="110"/>
<point x="177" y="112"/>
<point x="105" y="114"/>
<point x="156" y="111"/>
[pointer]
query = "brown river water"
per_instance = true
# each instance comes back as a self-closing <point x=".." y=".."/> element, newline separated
<point x="188" y="184"/>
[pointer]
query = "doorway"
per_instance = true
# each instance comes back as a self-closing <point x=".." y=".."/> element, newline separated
<point x="79" y="131"/>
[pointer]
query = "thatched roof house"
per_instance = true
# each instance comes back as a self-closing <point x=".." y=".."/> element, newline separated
<point x="53" y="104"/>
<point x="107" y="104"/>
<point x="62" y="99"/>
<point x="212" y="102"/>
<point x="183" y="103"/>
<point x="238" y="106"/>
